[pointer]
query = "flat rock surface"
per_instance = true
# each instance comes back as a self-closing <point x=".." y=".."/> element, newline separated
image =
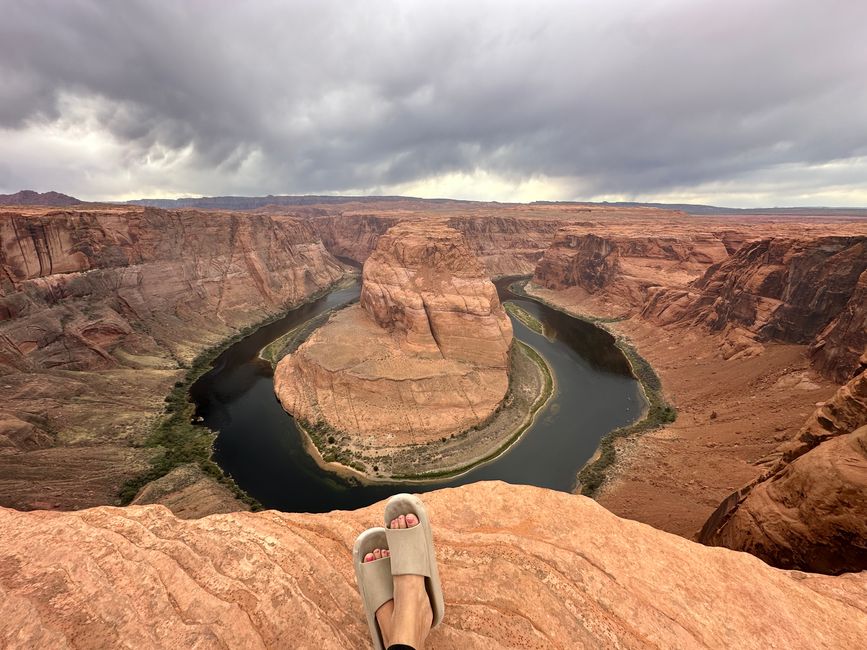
<point x="521" y="567"/>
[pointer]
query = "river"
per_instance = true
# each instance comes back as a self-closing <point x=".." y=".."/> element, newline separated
<point x="260" y="447"/>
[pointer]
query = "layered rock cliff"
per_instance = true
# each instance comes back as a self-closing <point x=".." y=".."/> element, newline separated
<point x="521" y="567"/>
<point x="423" y="284"/>
<point x="578" y="260"/>
<point x="506" y="245"/>
<point x="102" y="310"/>
<point x="809" y="509"/>
<point x="804" y="291"/>
<point x="844" y="338"/>
<point x="622" y="269"/>
<point x="426" y="353"/>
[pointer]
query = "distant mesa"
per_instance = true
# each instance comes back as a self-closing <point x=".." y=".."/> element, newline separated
<point x="29" y="197"/>
<point x="425" y="354"/>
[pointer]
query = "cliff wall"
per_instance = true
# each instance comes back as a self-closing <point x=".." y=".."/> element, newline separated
<point x="506" y="245"/>
<point x="521" y="567"/>
<point x="808" y="291"/>
<point x="101" y="311"/>
<point x="616" y="272"/>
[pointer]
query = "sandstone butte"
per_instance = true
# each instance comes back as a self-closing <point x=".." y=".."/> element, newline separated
<point x="424" y="354"/>
<point x="522" y="567"/>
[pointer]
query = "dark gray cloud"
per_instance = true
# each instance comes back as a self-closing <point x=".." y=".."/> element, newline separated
<point x="637" y="99"/>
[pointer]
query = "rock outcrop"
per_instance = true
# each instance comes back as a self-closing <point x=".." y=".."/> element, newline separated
<point x="578" y="260"/>
<point x="426" y="353"/>
<point x="521" y="567"/>
<point x="835" y="348"/>
<point x="617" y="272"/>
<point x="102" y="311"/>
<point x="423" y="284"/>
<point x="809" y="510"/>
<point x="804" y="291"/>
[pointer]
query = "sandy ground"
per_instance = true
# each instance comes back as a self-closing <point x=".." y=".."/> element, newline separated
<point x="730" y="414"/>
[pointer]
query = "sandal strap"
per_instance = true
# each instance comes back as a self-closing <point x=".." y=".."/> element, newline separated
<point x="409" y="551"/>
<point x="378" y="585"/>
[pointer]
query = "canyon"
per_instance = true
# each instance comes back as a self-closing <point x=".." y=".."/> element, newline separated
<point x="772" y="304"/>
<point x="103" y="311"/>
<point x="754" y="324"/>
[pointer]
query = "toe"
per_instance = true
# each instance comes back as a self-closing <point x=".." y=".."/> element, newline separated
<point x="411" y="520"/>
<point x="377" y="553"/>
<point x="395" y="523"/>
<point x="369" y="557"/>
<point x="401" y="522"/>
<point x="386" y="553"/>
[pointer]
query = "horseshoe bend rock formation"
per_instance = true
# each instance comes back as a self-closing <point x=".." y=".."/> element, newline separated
<point x="425" y="353"/>
<point x="809" y="510"/>
<point x="521" y="567"/>
<point x="102" y="309"/>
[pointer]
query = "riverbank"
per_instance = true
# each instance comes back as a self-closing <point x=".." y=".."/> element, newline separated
<point x="184" y="443"/>
<point x="730" y="415"/>
<point x="531" y="385"/>
<point x="656" y="413"/>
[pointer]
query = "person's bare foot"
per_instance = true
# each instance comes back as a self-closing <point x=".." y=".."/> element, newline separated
<point x="412" y="615"/>
<point x="386" y="611"/>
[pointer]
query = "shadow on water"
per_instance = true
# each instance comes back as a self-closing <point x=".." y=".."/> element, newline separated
<point x="260" y="447"/>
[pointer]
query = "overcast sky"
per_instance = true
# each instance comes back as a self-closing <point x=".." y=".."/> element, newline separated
<point x="735" y="102"/>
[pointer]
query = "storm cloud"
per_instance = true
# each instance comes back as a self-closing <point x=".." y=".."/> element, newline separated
<point x="738" y="102"/>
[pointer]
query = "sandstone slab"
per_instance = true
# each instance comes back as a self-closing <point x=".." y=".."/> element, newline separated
<point x="521" y="567"/>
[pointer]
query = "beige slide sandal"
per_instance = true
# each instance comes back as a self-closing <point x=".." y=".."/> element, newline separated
<point x="412" y="549"/>
<point x="375" y="583"/>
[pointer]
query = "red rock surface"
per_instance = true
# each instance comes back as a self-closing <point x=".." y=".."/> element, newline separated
<point x="505" y="242"/>
<point x="617" y="271"/>
<point x="100" y="310"/>
<point x="521" y="567"/>
<point x="423" y="284"/>
<point x="780" y="289"/>
<point x="809" y="510"/>
<point x="426" y="353"/>
<point x="845" y="337"/>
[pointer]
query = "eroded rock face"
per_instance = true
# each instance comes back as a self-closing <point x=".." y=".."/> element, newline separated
<point x="836" y="348"/>
<point x="100" y="310"/>
<point x="804" y="291"/>
<point x="583" y="260"/>
<point x="618" y="273"/>
<point x="521" y="567"/>
<point x="505" y="245"/>
<point x="424" y="284"/>
<point x="783" y="289"/>
<point x="809" y="510"/>
<point x="424" y="354"/>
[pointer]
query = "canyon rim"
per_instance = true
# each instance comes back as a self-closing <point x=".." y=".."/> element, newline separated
<point x="590" y="279"/>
